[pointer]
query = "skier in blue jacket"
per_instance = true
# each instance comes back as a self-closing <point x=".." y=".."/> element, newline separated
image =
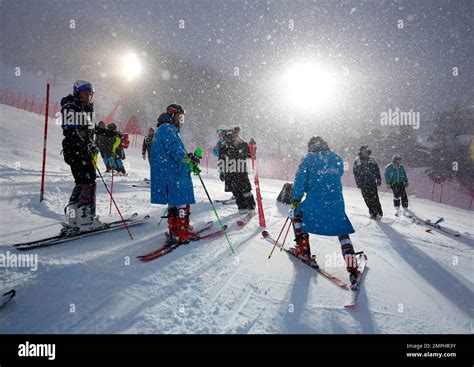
<point x="322" y="211"/>
<point x="170" y="169"/>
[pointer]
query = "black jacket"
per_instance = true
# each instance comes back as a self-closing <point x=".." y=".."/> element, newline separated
<point x="238" y="152"/>
<point x="147" y="144"/>
<point x="366" y="172"/>
<point x="104" y="139"/>
<point x="78" y="130"/>
<point x="77" y="117"/>
<point x="233" y="165"/>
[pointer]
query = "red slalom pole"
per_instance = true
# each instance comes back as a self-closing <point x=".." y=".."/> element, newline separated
<point x="43" y="170"/>
<point x="253" y="155"/>
<point x="111" y="192"/>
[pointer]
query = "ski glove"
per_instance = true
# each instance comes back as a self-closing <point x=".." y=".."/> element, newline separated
<point x="93" y="148"/>
<point x="194" y="158"/>
<point x="294" y="204"/>
<point x="193" y="161"/>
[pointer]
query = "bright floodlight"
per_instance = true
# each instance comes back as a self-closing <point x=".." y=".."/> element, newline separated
<point x="131" y="66"/>
<point x="309" y="86"/>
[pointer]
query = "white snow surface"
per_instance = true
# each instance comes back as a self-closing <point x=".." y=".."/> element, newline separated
<point x="415" y="281"/>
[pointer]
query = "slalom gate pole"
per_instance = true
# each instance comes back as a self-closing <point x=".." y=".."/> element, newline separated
<point x="43" y="169"/>
<point x="111" y="192"/>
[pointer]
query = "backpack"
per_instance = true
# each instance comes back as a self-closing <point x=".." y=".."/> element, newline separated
<point x="285" y="194"/>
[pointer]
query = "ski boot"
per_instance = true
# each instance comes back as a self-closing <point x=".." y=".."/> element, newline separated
<point x="397" y="211"/>
<point x="184" y="230"/>
<point x="302" y="249"/>
<point x="172" y="235"/>
<point x="352" y="267"/>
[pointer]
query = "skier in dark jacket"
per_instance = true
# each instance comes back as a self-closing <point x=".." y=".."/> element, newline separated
<point x="233" y="155"/>
<point x="118" y="151"/>
<point x="146" y="148"/>
<point x="79" y="152"/>
<point x="367" y="177"/>
<point x="104" y="140"/>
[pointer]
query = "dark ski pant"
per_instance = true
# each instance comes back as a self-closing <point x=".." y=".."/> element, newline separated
<point x="78" y="158"/>
<point x="399" y="192"/>
<point x="239" y="184"/>
<point x="371" y="198"/>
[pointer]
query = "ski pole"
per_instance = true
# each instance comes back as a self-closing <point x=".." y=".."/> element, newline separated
<point x="161" y="218"/>
<point x="116" y="206"/>
<point x="215" y="212"/>
<point x="275" y="244"/>
<point x="284" y="238"/>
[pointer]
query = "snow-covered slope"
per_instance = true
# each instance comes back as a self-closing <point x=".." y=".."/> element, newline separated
<point x="416" y="282"/>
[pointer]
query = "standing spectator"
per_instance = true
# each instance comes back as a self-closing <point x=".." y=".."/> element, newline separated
<point x="396" y="178"/>
<point x="367" y="178"/>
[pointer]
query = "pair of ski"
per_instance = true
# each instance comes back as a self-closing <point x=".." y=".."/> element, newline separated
<point x="226" y="201"/>
<point x="355" y="281"/>
<point x="429" y="223"/>
<point x="201" y="235"/>
<point x="132" y="220"/>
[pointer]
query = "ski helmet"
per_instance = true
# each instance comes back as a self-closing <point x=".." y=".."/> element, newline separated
<point x="317" y="144"/>
<point x="112" y="127"/>
<point x="80" y="85"/>
<point x="364" y="147"/>
<point x="396" y="157"/>
<point x="174" y="108"/>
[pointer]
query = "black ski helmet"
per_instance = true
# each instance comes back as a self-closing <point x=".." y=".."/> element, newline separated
<point x="365" y="147"/>
<point x="112" y="127"/>
<point x="317" y="144"/>
<point x="174" y="108"/>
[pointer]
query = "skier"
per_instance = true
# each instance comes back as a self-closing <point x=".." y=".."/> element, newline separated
<point x="170" y="169"/>
<point x="221" y="132"/>
<point x="118" y="153"/>
<point x="79" y="152"/>
<point x="104" y="141"/>
<point x="396" y="178"/>
<point x="322" y="212"/>
<point x="233" y="155"/>
<point x="147" y="143"/>
<point x="367" y="177"/>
